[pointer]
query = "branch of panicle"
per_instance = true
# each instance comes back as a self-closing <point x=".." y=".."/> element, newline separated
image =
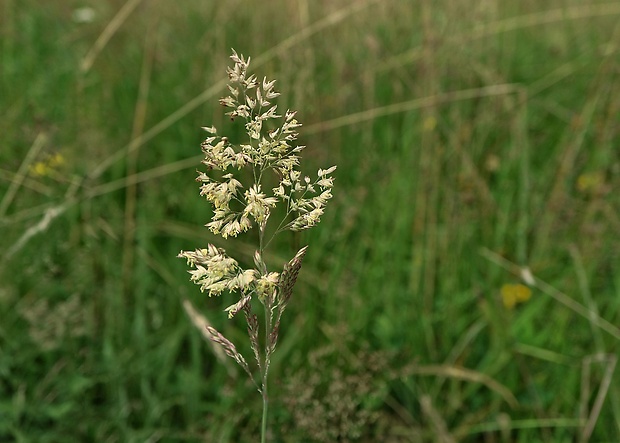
<point x="286" y="282"/>
<point x="253" y="328"/>
<point x="305" y="199"/>
<point x="231" y="351"/>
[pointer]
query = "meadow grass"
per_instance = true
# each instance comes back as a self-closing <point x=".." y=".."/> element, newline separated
<point x="477" y="146"/>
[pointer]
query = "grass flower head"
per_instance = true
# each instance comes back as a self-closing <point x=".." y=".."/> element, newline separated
<point x="240" y="204"/>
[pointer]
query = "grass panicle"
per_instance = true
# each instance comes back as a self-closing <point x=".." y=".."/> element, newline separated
<point x="266" y="149"/>
<point x="463" y="285"/>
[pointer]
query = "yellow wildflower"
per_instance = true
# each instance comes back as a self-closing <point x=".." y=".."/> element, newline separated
<point x="590" y="182"/>
<point x="513" y="294"/>
<point x="429" y="124"/>
<point x="47" y="167"/>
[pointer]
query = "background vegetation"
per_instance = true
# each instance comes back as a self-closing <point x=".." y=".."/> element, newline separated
<point x="477" y="147"/>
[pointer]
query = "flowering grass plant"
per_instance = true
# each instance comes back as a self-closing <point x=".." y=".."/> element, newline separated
<point x="239" y="206"/>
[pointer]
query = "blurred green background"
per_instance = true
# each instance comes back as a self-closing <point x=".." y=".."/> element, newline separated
<point x="463" y="285"/>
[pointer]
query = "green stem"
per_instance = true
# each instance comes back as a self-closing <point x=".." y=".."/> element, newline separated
<point x="266" y="369"/>
<point x="263" y="431"/>
<point x="265" y="366"/>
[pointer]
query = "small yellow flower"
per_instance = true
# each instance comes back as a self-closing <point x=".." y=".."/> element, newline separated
<point x="56" y="160"/>
<point x="590" y="182"/>
<point x="47" y="167"/>
<point x="429" y="124"/>
<point x="513" y="294"/>
<point x="39" y="169"/>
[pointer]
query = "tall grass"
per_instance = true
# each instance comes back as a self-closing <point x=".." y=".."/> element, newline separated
<point x="476" y="145"/>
